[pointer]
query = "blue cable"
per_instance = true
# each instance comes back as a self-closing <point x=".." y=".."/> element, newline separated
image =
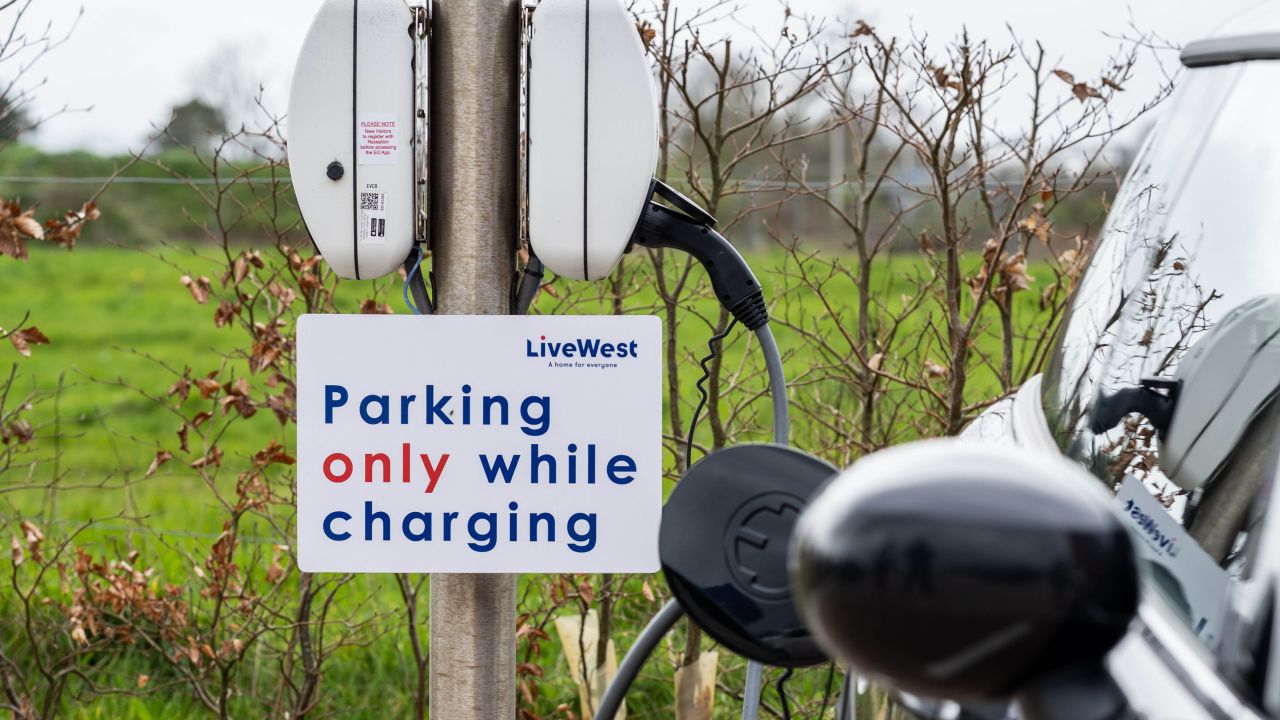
<point x="408" y="278"/>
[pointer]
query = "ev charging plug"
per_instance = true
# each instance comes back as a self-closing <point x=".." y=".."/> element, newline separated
<point x="692" y="232"/>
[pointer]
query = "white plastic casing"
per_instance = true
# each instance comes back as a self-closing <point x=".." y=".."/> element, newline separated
<point x="352" y="102"/>
<point x="593" y="134"/>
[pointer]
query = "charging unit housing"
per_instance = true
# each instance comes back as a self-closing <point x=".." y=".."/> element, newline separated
<point x="355" y="131"/>
<point x="592" y="135"/>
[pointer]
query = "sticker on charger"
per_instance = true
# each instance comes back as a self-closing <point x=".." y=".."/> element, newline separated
<point x="1191" y="581"/>
<point x="373" y="217"/>
<point x="379" y="139"/>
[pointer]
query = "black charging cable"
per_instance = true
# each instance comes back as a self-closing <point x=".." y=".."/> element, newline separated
<point x="781" y="686"/>
<point x="713" y="349"/>
<point x="525" y="285"/>
<point x="686" y="227"/>
<point x="416" y="285"/>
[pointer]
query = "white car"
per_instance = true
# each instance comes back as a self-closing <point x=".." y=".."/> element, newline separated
<point x="1164" y="376"/>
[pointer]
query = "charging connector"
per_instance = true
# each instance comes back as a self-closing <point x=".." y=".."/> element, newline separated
<point x="691" y="232"/>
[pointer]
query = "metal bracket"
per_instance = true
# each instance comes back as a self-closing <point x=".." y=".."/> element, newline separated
<point x="523" y="45"/>
<point x="421" y="31"/>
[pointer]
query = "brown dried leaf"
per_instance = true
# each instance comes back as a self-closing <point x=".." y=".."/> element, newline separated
<point x="12" y="244"/>
<point x="286" y="295"/>
<point x="239" y="268"/>
<point x="24" y="338"/>
<point x="371" y="307"/>
<point x="213" y="457"/>
<point x="1084" y="92"/>
<point x="29" y="226"/>
<point x="208" y="385"/>
<point x="242" y="404"/>
<point x="162" y="457"/>
<point x="199" y="287"/>
<point x="1037" y="224"/>
<point x="647" y="33"/>
<point x="22" y="431"/>
<point x="1065" y="77"/>
<point x="275" y="572"/>
<point x="225" y="313"/>
<point x="1014" y="272"/>
<point x="273" y="453"/>
<point x="238" y="387"/>
<point x="263" y="356"/>
<point x="279" y="405"/>
<point x="31" y="532"/>
<point x="923" y="241"/>
<point x="934" y="370"/>
<point x="181" y="388"/>
<point x="309" y="282"/>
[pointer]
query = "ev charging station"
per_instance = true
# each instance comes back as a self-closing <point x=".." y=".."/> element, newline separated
<point x="592" y="135"/>
<point x="449" y="444"/>
<point x="357" y="134"/>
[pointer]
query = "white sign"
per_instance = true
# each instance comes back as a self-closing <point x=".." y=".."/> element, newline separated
<point x="1188" y="577"/>
<point x="479" y="443"/>
<point x="379" y="139"/>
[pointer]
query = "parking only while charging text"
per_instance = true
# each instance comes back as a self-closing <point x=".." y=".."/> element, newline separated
<point x="464" y="467"/>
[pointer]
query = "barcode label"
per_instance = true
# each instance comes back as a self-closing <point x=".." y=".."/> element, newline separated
<point x="373" y="217"/>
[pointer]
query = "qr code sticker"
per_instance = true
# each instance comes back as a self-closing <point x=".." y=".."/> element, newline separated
<point x="373" y="218"/>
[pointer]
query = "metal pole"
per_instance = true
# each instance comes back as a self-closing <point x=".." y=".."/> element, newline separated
<point x="473" y="230"/>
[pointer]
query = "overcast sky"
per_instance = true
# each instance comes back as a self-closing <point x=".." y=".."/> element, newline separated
<point x="131" y="60"/>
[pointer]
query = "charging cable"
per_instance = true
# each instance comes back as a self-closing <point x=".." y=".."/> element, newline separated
<point x="414" y="283"/>
<point x="670" y="613"/>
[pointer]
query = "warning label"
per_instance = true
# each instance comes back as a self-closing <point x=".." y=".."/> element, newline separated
<point x="379" y="139"/>
<point x="373" y="216"/>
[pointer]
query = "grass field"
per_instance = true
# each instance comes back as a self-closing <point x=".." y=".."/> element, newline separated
<point x="120" y="325"/>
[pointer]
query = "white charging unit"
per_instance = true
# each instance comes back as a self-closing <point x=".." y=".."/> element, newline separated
<point x="592" y="134"/>
<point x="356" y="130"/>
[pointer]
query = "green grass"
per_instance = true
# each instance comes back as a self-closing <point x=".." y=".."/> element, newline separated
<point x="116" y="319"/>
<point x="121" y="324"/>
